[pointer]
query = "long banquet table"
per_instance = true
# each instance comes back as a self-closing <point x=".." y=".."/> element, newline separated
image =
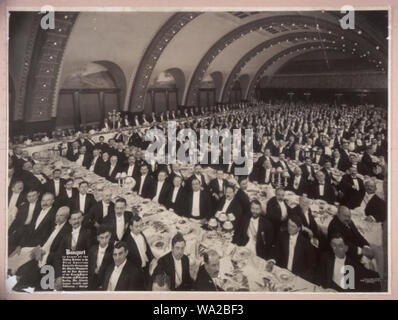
<point x="240" y="268"/>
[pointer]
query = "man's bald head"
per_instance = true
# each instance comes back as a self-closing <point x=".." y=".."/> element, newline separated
<point x="62" y="215"/>
<point x="344" y="215"/>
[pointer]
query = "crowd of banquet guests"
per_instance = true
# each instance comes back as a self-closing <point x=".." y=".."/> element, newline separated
<point x="303" y="143"/>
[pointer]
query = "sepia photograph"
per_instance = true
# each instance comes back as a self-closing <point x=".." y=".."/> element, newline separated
<point x="205" y="150"/>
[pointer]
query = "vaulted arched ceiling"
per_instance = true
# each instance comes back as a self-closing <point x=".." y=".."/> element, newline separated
<point x="231" y="44"/>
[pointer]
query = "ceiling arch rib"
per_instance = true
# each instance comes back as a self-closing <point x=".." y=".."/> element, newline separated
<point x="299" y="22"/>
<point x="152" y="53"/>
<point x="290" y="54"/>
<point x="294" y="39"/>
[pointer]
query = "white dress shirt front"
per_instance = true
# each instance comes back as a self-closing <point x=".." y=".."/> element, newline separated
<point x="120" y="226"/>
<point x="338" y="272"/>
<point x="13" y="200"/>
<point x="100" y="255"/>
<point x="158" y="190"/>
<point x="114" y="278"/>
<point x="283" y="209"/>
<point x="178" y="272"/>
<point x="292" y="246"/>
<point x="56" y="186"/>
<point x="196" y="204"/>
<point x="175" y="192"/>
<point x="41" y="216"/>
<point x="30" y="212"/>
<point x="226" y="205"/>
<point x="141" y="184"/>
<point x="141" y="245"/>
<point x="82" y="202"/>
<point x="75" y="237"/>
<point x="130" y="170"/>
<point x="105" y="210"/>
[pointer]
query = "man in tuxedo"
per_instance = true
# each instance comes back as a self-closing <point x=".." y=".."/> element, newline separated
<point x="114" y="169"/>
<point x="293" y="251"/>
<point x="101" y="144"/>
<point x="308" y="170"/>
<point x="345" y="156"/>
<point x="176" y="200"/>
<point x="84" y="159"/>
<point x="277" y="211"/>
<point x="321" y="189"/>
<point x="118" y="220"/>
<point x="23" y="218"/>
<point x="99" y="258"/>
<point x="367" y="166"/>
<point x="122" y="275"/>
<point x="352" y="189"/>
<point x="162" y="189"/>
<point x="374" y="207"/>
<point x="83" y="200"/>
<point x="242" y="196"/>
<point x="297" y="153"/>
<point x="257" y="232"/>
<point x="230" y="205"/>
<point x="332" y="270"/>
<point x="199" y="204"/>
<point x="132" y="169"/>
<point x="303" y="210"/>
<point x="79" y="239"/>
<point x="358" y="246"/>
<point x="61" y="228"/>
<point x="176" y="265"/>
<point x="197" y="174"/>
<point x="339" y="162"/>
<point x="319" y="157"/>
<point x="96" y="161"/>
<point x="217" y="186"/>
<point x="68" y="194"/>
<point x="140" y="253"/>
<point x="73" y="151"/>
<point x="119" y="136"/>
<point x="39" y="229"/>
<point x="264" y="173"/>
<point x="297" y="183"/>
<point x="207" y="278"/>
<point x="101" y="209"/>
<point x="145" y="186"/>
<point x="17" y="196"/>
<point x="175" y="171"/>
<point x="56" y="185"/>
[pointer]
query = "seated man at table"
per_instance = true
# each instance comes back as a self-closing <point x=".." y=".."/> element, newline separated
<point x="358" y="246"/>
<point x="162" y="188"/>
<point x="374" y="207"/>
<point x="118" y="220"/>
<point x="293" y="250"/>
<point x="84" y="158"/>
<point x="122" y="275"/>
<point x="176" y="265"/>
<point x="263" y="175"/>
<point x="310" y="227"/>
<point x="140" y="253"/>
<point x="321" y="189"/>
<point x="278" y="211"/>
<point x="102" y="208"/>
<point x="177" y="197"/>
<point x="113" y="170"/>
<point x="99" y="258"/>
<point x="207" y="278"/>
<point x="297" y="183"/>
<point x="352" y="189"/>
<point x="145" y="186"/>
<point x="256" y="232"/>
<point x="334" y="265"/>
<point x="217" y="186"/>
<point x="199" y="204"/>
